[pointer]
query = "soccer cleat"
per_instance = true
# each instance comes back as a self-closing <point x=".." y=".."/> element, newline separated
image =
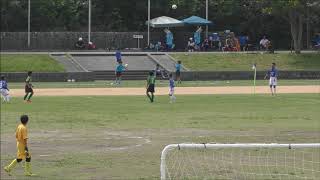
<point x="11" y="166"/>
<point x="29" y="101"/>
<point x="29" y="174"/>
<point x="27" y="170"/>
<point x="6" y="169"/>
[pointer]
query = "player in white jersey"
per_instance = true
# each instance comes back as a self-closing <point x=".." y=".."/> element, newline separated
<point x="171" y="89"/>
<point x="4" y="90"/>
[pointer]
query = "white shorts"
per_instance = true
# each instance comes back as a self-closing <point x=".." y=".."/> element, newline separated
<point x="273" y="81"/>
<point x="4" y="92"/>
<point x="171" y="91"/>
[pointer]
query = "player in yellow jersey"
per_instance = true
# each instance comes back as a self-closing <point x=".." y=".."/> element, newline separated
<point x="22" y="148"/>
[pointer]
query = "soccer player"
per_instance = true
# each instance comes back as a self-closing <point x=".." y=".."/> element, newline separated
<point x="178" y="72"/>
<point x="150" y="86"/>
<point x="28" y="88"/>
<point x="4" y="90"/>
<point x="159" y="72"/>
<point x="119" y="70"/>
<point x="118" y="55"/>
<point x="22" y="148"/>
<point x="273" y="74"/>
<point x="171" y="89"/>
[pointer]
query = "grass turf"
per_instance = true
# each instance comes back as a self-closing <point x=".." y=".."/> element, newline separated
<point x="244" y="62"/>
<point x="80" y="136"/>
<point x="24" y="63"/>
<point x="163" y="83"/>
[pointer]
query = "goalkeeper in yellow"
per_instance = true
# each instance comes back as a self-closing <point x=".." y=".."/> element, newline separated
<point x="22" y="148"/>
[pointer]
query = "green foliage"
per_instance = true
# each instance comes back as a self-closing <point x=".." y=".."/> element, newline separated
<point x="128" y="15"/>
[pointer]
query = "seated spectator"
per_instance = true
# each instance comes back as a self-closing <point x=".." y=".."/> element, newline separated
<point x="80" y="44"/>
<point x="235" y="42"/>
<point x="205" y="45"/>
<point x="316" y="42"/>
<point x="243" y="40"/>
<point x="264" y="43"/>
<point x="191" y="45"/>
<point x="216" y="43"/>
<point x="91" y="46"/>
<point x="229" y="44"/>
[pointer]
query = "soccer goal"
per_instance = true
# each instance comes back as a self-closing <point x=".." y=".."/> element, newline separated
<point x="241" y="161"/>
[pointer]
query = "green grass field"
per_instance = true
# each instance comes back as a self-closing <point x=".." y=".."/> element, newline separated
<point x="163" y="83"/>
<point x="122" y="137"/>
<point x="24" y="63"/>
<point x="243" y="62"/>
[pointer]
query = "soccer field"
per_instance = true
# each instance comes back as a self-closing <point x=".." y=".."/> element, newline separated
<point x="121" y="137"/>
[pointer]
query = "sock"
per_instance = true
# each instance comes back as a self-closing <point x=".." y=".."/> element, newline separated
<point x="31" y="94"/>
<point x="27" y="169"/>
<point x="25" y="96"/>
<point x="152" y="97"/>
<point x="149" y="97"/>
<point x="172" y="98"/>
<point x="12" y="165"/>
<point x="7" y="98"/>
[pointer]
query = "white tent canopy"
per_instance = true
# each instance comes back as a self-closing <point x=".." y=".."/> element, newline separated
<point x="164" y="21"/>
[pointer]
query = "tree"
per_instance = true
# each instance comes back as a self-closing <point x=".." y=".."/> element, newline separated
<point x="295" y="12"/>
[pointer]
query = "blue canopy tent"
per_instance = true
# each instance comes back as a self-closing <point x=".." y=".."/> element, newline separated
<point x="195" y="20"/>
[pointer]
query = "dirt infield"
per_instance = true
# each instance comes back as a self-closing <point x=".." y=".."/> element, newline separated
<point x="164" y="91"/>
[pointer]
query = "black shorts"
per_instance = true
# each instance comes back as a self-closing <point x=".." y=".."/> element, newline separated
<point x="28" y="89"/>
<point x="150" y="88"/>
<point x="158" y="73"/>
<point x="119" y="74"/>
<point x="178" y="73"/>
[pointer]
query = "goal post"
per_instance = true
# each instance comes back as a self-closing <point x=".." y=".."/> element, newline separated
<point x="240" y="161"/>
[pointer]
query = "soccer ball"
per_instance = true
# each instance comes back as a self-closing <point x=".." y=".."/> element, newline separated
<point x="126" y="65"/>
<point x="174" y="6"/>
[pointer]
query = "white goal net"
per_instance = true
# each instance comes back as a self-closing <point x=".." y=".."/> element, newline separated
<point x="241" y="161"/>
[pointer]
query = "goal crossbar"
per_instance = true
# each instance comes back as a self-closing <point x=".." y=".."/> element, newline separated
<point x="170" y="147"/>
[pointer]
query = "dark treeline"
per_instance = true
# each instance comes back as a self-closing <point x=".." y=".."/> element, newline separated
<point x="254" y="17"/>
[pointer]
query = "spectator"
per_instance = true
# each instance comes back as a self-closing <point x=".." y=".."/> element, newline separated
<point x="205" y="45"/>
<point x="243" y="40"/>
<point x="228" y="44"/>
<point x="191" y="45"/>
<point x="197" y="38"/>
<point x="80" y="44"/>
<point x="169" y="39"/>
<point x="91" y="46"/>
<point x="157" y="47"/>
<point x="264" y="43"/>
<point x="235" y="43"/>
<point x="316" y="42"/>
<point x="216" y="41"/>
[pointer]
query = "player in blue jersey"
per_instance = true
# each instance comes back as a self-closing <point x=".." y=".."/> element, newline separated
<point x="4" y="90"/>
<point x="178" y="72"/>
<point x="273" y="75"/>
<point x="118" y="55"/>
<point x="119" y="70"/>
<point x="171" y="89"/>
